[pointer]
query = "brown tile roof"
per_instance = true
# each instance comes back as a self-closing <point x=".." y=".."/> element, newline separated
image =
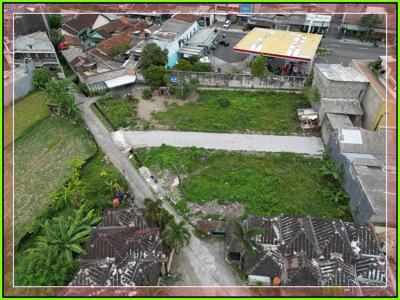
<point x="70" y="40"/>
<point x="107" y="30"/>
<point x="186" y="18"/>
<point x="123" y="37"/>
<point x="80" y="22"/>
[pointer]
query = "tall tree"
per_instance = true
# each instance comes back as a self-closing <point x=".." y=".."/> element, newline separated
<point x="153" y="55"/>
<point x="258" y="66"/>
<point x="245" y="238"/>
<point x="370" y="21"/>
<point x="41" y="77"/>
<point x="156" y="75"/>
<point x="176" y="235"/>
<point x="55" y="21"/>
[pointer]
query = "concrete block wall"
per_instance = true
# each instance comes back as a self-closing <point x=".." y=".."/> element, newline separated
<point x="338" y="89"/>
<point x="242" y="80"/>
<point x="351" y="183"/>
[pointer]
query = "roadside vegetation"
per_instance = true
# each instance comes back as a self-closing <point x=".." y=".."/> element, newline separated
<point x="266" y="184"/>
<point x="237" y="111"/>
<point x="48" y="255"/>
<point x="121" y="112"/>
<point x="61" y="186"/>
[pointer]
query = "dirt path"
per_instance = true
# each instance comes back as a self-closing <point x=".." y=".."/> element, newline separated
<point x="158" y="103"/>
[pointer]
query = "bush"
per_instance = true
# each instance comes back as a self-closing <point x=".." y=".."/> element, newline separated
<point x="147" y="94"/>
<point x="83" y="89"/>
<point x="156" y="75"/>
<point x="224" y="102"/>
<point x="258" y="66"/>
<point x="119" y="50"/>
<point x="41" y="77"/>
<point x="310" y="94"/>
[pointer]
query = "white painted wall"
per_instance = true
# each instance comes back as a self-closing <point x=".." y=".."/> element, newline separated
<point x="173" y="46"/>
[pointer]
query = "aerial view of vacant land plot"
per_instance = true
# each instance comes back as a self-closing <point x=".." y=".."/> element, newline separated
<point x="121" y="112"/>
<point x="40" y="165"/>
<point x="237" y="111"/>
<point x="266" y="184"/>
<point x="28" y="112"/>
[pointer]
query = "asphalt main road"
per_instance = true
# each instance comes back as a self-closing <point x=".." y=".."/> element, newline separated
<point x="227" y="54"/>
<point x="221" y="141"/>
<point x="344" y="53"/>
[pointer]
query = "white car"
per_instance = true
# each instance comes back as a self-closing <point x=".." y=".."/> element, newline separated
<point x="227" y="24"/>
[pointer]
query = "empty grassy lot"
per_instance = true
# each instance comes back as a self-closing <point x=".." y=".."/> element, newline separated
<point x="267" y="184"/>
<point x="28" y="112"/>
<point x="237" y="111"/>
<point x="121" y="112"/>
<point x="40" y="166"/>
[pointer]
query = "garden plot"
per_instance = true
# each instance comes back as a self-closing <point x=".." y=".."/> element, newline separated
<point x="41" y="167"/>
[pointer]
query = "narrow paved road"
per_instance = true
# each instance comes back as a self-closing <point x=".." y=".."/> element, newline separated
<point x="200" y="265"/>
<point x="118" y="159"/>
<point x="222" y="141"/>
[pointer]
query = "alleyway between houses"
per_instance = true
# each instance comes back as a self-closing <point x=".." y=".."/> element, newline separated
<point x="221" y="141"/>
<point x="199" y="264"/>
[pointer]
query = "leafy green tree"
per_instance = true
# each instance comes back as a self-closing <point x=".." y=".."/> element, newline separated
<point x="152" y="209"/>
<point x="202" y="67"/>
<point x="193" y="59"/>
<point x="60" y="95"/>
<point x="119" y="49"/>
<point x="184" y="65"/>
<point x="156" y="75"/>
<point x="258" y="66"/>
<point x="55" y="21"/>
<point x="245" y="238"/>
<point x="153" y="55"/>
<point x="41" y="77"/>
<point x="370" y="21"/>
<point x="176" y="235"/>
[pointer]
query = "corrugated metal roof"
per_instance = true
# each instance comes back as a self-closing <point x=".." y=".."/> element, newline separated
<point x="278" y="43"/>
<point x="122" y="80"/>
<point x="338" y="72"/>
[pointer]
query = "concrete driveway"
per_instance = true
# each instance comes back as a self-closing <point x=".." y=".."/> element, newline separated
<point x="221" y="141"/>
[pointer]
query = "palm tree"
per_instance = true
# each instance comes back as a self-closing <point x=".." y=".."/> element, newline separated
<point x="176" y="235"/>
<point x="245" y="237"/>
<point x="64" y="235"/>
<point x="152" y="209"/>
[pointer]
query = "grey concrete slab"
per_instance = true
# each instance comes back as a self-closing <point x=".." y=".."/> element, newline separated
<point x="221" y="141"/>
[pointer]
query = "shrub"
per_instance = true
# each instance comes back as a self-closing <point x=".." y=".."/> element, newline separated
<point x="147" y="94"/>
<point x="119" y="50"/>
<point x="41" y="77"/>
<point x="224" y="102"/>
<point x="258" y="66"/>
<point x="156" y="75"/>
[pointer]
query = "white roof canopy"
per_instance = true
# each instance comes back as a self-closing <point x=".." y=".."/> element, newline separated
<point x="122" y="80"/>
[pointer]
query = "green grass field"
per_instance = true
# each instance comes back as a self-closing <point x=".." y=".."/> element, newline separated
<point x="121" y="112"/>
<point x="28" y="112"/>
<point x="237" y="111"/>
<point x="267" y="184"/>
<point x="40" y="166"/>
